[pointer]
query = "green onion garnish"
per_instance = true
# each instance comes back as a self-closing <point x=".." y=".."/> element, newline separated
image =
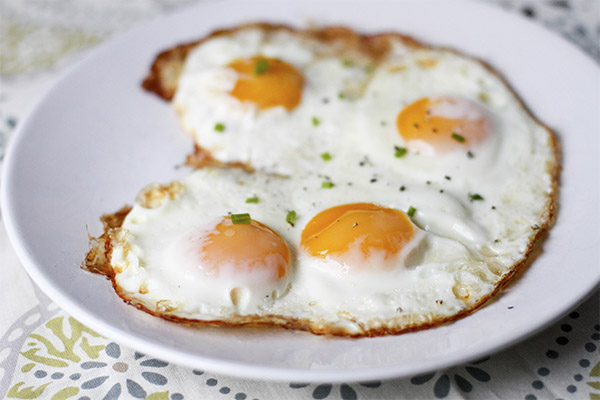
<point x="347" y="63"/>
<point x="475" y="196"/>
<point x="327" y="185"/>
<point x="219" y="127"/>
<point x="483" y="97"/>
<point x="458" y="138"/>
<point x="411" y="211"/>
<point x="341" y="95"/>
<point x="316" y="121"/>
<point x="326" y="156"/>
<point x="241" y="218"/>
<point x="261" y="66"/>
<point x="253" y="199"/>
<point x="290" y="218"/>
<point x="400" y="151"/>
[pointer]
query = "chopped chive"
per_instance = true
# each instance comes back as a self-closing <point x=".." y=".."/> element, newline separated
<point x="369" y="68"/>
<point x="411" y="211"/>
<point x="326" y="156"/>
<point x="458" y="138"/>
<point x="241" y="218"/>
<point x="470" y="154"/>
<point x="327" y="185"/>
<point x="483" y="97"/>
<point x="341" y="95"/>
<point x="475" y="196"/>
<point x="316" y="121"/>
<point x="220" y="127"/>
<point x="261" y="66"/>
<point x="253" y="199"/>
<point x="290" y="218"/>
<point x="347" y="63"/>
<point x="400" y="151"/>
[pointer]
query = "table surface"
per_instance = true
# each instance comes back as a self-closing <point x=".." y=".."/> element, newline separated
<point x="45" y="353"/>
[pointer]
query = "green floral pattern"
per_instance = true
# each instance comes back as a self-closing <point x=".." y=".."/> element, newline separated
<point x="35" y="36"/>
<point x="64" y="358"/>
<point x="58" y="344"/>
<point x="594" y="382"/>
<point x="62" y="43"/>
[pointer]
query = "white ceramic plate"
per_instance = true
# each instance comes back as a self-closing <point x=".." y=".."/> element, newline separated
<point x="96" y="138"/>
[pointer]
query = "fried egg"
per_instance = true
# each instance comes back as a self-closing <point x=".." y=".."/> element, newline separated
<point x="240" y="91"/>
<point x="188" y="255"/>
<point x="225" y="246"/>
<point x="387" y="186"/>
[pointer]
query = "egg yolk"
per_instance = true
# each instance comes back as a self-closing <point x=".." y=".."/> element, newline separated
<point x="248" y="248"/>
<point x="443" y="124"/>
<point x="267" y="82"/>
<point x="352" y="233"/>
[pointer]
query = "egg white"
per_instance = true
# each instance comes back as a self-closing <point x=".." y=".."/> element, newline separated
<point x="296" y="138"/>
<point x="437" y="265"/>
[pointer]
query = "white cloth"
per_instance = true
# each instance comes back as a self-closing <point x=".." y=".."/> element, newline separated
<point x="44" y="353"/>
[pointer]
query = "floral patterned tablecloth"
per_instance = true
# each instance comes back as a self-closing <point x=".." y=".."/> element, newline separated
<point x="46" y="354"/>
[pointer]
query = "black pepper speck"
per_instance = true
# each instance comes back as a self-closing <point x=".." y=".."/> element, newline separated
<point x="528" y="12"/>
